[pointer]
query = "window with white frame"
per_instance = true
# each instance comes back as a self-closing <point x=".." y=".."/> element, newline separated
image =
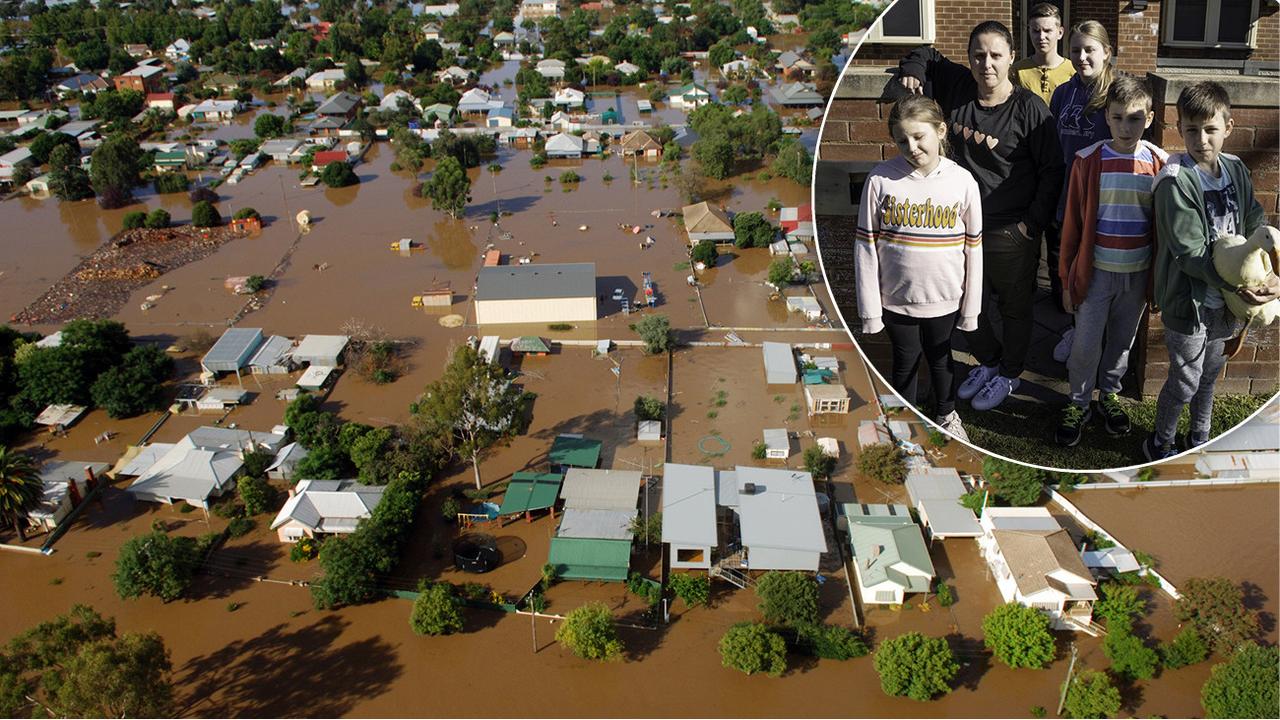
<point x="909" y="22"/>
<point x="1210" y="23"/>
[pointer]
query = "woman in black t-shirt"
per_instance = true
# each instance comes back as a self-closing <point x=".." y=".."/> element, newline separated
<point x="1005" y="136"/>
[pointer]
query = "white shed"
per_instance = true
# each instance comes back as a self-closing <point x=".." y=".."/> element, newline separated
<point x="779" y="364"/>
<point x="649" y="431"/>
<point x="689" y="514"/>
<point x="323" y="350"/>
<point x="777" y="444"/>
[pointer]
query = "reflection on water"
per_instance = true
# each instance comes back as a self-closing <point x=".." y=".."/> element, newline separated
<point x="450" y="240"/>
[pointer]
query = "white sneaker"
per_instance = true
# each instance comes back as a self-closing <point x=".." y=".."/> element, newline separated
<point x="994" y="392"/>
<point x="1062" y="351"/>
<point x="952" y="425"/>
<point x="978" y="378"/>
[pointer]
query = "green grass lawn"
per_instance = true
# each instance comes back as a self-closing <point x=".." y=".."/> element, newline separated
<point x="1024" y="430"/>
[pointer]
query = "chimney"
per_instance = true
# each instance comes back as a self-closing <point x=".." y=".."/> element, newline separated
<point x="748" y="488"/>
<point x="91" y="482"/>
<point x="73" y="492"/>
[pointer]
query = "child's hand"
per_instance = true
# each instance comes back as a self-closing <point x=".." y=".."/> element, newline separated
<point x="1067" y="305"/>
<point x="871" y="326"/>
<point x="1261" y="295"/>
<point x="1152" y="307"/>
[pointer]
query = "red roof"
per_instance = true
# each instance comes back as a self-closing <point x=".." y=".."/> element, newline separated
<point x="324" y="157"/>
<point x="803" y="213"/>
<point x="159" y="97"/>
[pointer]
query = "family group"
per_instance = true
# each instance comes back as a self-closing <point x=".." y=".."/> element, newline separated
<point x="995" y="156"/>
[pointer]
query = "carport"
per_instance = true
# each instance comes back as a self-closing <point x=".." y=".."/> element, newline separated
<point x="529" y="491"/>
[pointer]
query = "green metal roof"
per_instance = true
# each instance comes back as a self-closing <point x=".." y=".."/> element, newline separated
<point x="575" y="452"/>
<point x="529" y="344"/>
<point x="887" y="541"/>
<point x="530" y="491"/>
<point x="588" y="559"/>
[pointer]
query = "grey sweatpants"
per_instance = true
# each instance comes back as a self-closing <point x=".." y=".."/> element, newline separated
<point x="1106" y="323"/>
<point x="1195" y="361"/>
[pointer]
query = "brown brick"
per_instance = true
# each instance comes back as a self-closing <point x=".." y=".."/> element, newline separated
<point x="1259" y="386"/>
<point x="1266" y="137"/>
<point x="1251" y="369"/>
<point x="1266" y="180"/>
<point x="834" y="131"/>
<point x="854" y="110"/>
<point x="1232" y="385"/>
<point x="853" y="152"/>
<point x="1268" y="200"/>
<point x="1251" y="117"/>
<point x="1157" y="369"/>
<point x="1241" y="139"/>
<point x="1151" y="386"/>
<point x="863" y="131"/>
<point x="1263" y="353"/>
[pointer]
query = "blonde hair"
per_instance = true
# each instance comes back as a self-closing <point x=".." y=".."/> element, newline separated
<point x="1094" y="30"/>
<point x="920" y="108"/>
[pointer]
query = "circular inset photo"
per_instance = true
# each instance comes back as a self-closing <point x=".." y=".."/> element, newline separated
<point x="1045" y="237"/>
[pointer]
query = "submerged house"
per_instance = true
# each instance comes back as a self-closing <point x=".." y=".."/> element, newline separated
<point x="593" y="541"/>
<point x="890" y="558"/>
<point x="200" y="466"/>
<point x="703" y="221"/>
<point x="1035" y="563"/>
<point x="325" y="507"/>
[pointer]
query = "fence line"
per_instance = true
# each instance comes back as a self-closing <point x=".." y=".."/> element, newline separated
<point x="1085" y="520"/>
<point x="1196" y="482"/>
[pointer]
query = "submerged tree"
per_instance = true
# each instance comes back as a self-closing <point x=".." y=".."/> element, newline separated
<point x="449" y="187"/>
<point x="588" y="632"/>
<point x="472" y="407"/>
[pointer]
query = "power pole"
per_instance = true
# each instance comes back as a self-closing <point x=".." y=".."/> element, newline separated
<point x="1066" y="685"/>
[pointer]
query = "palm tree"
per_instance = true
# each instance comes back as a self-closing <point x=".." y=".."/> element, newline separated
<point x="20" y="488"/>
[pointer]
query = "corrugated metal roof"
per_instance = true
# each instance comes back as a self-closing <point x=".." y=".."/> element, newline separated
<point x="601" y="489"/>
<point x="274" y="352"/>
<point x="782" y="513"/>
<point x="575" y="451"/>
<point x="233" y="349"/>
<point x="320" y="349"/>
<point x="948" y="518"/>
<point x="689" y="505"/>
<point x="532" y="282"/>
<point x="935" y="483"/>
<point x="779" y="364"/>
<point x="587" y="559"/>
<point x="597" y="524"/>
<point x="530" y="491"/>
<point x="881" y="542"/>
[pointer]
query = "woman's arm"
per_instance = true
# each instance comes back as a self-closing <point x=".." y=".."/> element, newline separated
<point x="971" y="300"/>
<point x="1046" y="154"/>
<point x="924" y="70"/>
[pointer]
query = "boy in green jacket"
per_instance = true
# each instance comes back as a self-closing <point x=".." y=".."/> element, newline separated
<point x="1198" y="195"/>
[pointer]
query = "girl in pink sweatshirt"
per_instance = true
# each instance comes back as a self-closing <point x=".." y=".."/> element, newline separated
<point x="918" y="255"/>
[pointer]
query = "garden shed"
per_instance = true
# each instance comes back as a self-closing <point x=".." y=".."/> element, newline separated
<point x="649" y="431"/>
<point x="777" y="444"/>
<point x="826" y="399"/>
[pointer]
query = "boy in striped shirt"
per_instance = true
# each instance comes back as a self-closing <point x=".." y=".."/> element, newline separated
<point x="1107" y="246"/>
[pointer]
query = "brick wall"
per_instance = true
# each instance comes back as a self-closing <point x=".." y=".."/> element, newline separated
<point x="952" y="23"/>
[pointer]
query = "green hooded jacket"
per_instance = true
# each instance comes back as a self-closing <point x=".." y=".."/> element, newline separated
<point x="1184" y="238"/>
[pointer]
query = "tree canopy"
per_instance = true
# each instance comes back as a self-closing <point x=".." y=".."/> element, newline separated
<point x="1014" y="483"/>
<point x="435" y="611"/>
<point x="1215" y="608"/>
<point x="884" y="462"/>
<point x="449" y="187"/>
<point x="655" y="333"/>
<point x="916" y="666"/>
<point x="77" y="666"/>
<point x="589" y="633"/>
<point x="20" y="488"/>
<point x="136" y="385"/>
<point x="1019" y="636"/>
<point x="1244" y="686"/>
<point x="750" y="229"/>
<point x="1091" y="695"/>
<point x="753" y="648"/>
<point x="788" y="598"/>
<point x="116" y="169"/>
<point x="156" y="564"/>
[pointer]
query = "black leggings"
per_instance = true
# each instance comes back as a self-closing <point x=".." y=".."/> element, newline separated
<point x="912" y="337"/>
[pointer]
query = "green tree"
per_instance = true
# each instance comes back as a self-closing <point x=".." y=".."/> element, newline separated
<point x="833" y="642"/>
<point x="647" y="531"/>
<point x="1019" y="636"/>
<point x="1186" y="648"/>
<point x="781" y="272"/>
<point x="136" y="385"/>
<point x="1120" y="603"/>
<point x="43" y="146"/>
<point x="158" y="219"/>
<point x="692" y="589"/>
<point x="715" y="155"/>
<point x="753" y="648"/>
<point x="655" y="333"/>
<point x="1244" y="686"/>
<point x="916" y="666"/>
<point x="133" y="220"/>
<point x="155" y="564"/>
<point x="649" y="408"/>
<point x="369" y="452"/>
<point x="588" y="632"/>
<point x="721" y="53"/>
<point x="269" y="126"/>
<point x="735" y="95"/>
<point x="205" y="215"/>
<point x="1015" y="484"/>
<point x="1091" y="695"/>
<point x="116" y="170"/>
<point x="322" y="463"/>
<point x="20" y="488"/>
<point x="705" y="252"/>
<point x="884" y="462"/>
<point x="67" y="179"/>
<point x="257" y="495"/>
<point x="338" y="174"/>
<point x="77" y="666"/>
<point x="472" y="407"/>
<point x="435" y="612"/>
<point x="794" y="163"/>
<point x="788" y="598"/>
<point x="750" y="229"/>
<point x="1215" y="607"/>
<point x="449" y="188"/>
<point x="349" y="576"/>
<point x="1130" y="657"/>
<point x="817" y="463"/>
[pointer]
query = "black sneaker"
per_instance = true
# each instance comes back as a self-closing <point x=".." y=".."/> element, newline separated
<point x="1154" y="452"/>
<point x="1113" y="414"/>
<point x="1072" y="424"/>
